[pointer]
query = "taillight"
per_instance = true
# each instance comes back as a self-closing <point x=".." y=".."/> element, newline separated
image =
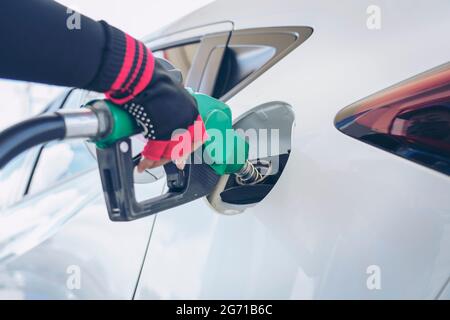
<point x="410" y="119"/>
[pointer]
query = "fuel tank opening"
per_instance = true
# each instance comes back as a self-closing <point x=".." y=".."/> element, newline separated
<point x="269" y="153"/>
<point x="253" y="173"/>
<point x="240" y="193"/>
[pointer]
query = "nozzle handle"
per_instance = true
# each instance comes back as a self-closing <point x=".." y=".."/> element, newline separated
<point x="116" y="166"/>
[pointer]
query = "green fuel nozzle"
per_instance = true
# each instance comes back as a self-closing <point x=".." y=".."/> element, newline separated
<point x="224" y="152"/>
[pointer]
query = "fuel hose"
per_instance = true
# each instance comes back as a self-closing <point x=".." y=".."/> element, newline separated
<point x="90" y="122"/>
<point x="29" y="133"/>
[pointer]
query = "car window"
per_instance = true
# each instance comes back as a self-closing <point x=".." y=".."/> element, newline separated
<point x="59" y="161"/>
<point x="57" y="102"/>
<point x="12" y="178"/>
<point x="180" y="56"/>
<point x="74" y="100"/>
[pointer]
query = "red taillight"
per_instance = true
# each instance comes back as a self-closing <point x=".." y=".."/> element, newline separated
<point x="410" y="119"/>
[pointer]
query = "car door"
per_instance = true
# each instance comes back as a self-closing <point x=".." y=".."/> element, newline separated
<point x="57" y="241"/>
<point x="197" y="253"/>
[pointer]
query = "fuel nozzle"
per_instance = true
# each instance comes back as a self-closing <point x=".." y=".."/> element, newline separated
<point x="94" y="121"/>
<point x="253" y="173"/>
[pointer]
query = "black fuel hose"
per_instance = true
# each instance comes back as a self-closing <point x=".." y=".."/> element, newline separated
<point x="30" y="133"/>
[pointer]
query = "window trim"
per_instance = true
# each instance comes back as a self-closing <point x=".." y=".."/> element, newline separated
<point x="267" y="36"/>
<point x="196" y="33"/>
<point x="208" y="67"/>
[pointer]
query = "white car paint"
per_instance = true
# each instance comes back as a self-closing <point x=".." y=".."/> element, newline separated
<point x="341" y="206"/>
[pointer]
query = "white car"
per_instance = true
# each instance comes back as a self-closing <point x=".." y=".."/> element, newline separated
<point x="358" y="206"/>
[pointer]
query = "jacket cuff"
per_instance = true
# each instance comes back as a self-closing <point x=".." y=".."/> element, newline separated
<point x="127" y="66"/>
<point x="112" y="59"/>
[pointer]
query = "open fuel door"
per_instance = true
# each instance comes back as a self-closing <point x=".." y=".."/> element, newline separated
<point x="197" y="52"/>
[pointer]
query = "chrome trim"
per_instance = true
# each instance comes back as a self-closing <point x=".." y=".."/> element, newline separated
<point x="80" y="123"/>
<point x="191" y="34"/>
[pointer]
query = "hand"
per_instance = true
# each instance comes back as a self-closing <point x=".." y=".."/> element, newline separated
<point x="180" y="163"/>
<point x="161" y="108"/>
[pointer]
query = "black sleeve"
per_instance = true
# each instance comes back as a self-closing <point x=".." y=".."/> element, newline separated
<point x="38" y="45"/>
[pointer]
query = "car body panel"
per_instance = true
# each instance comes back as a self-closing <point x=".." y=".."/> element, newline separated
<point x="341" y="208"/>
<point x="70" y="236"/>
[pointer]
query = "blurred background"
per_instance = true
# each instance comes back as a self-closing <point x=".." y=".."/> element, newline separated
<point x="136" y="17"/>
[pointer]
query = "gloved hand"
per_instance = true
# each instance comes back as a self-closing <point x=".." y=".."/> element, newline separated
<point x="160" y="106"/>
<point x="163" y="107"/>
